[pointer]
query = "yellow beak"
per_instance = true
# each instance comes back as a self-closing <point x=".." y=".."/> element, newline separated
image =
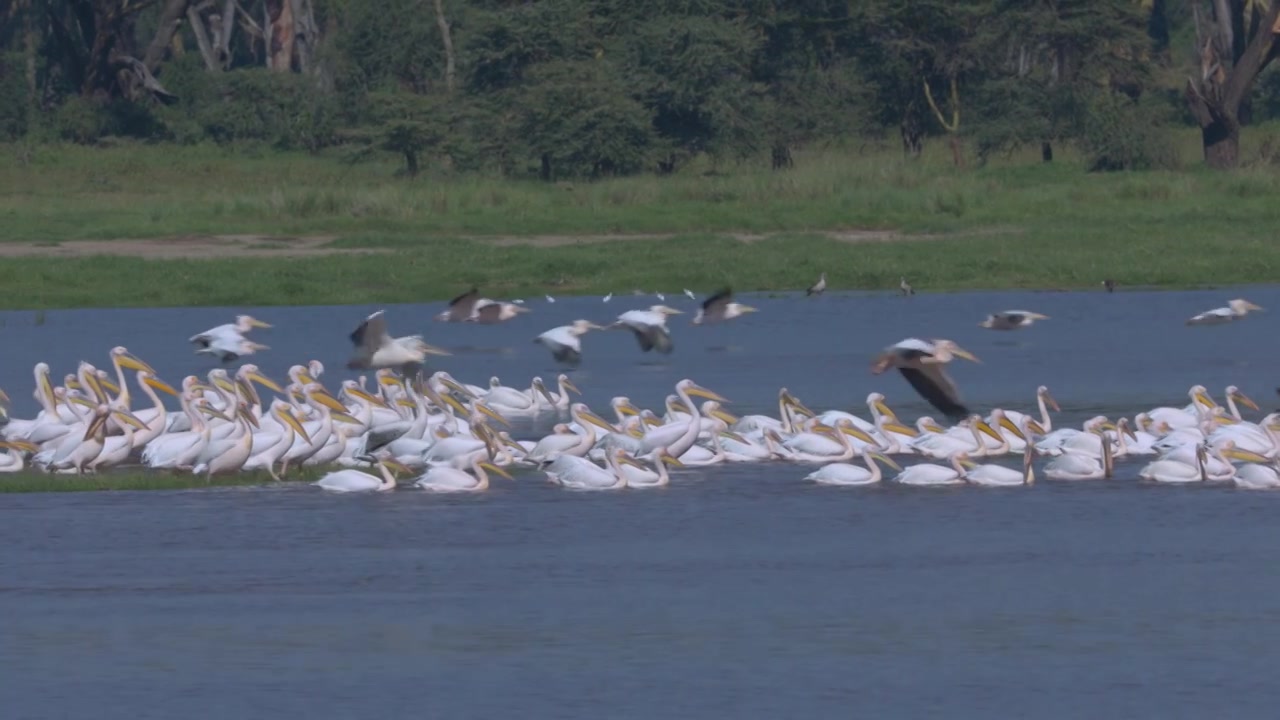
<point x="161" y="385"/>
<point x="852" y="431"/>
<point x="962" y="353"/>
<point x="132" y="362"/>
<point x="886" y="460"/>
<point x="265" y="381"/>
<point x="901" y="429"/>
<point x="988" y="430"/>
<point x="596" y="420"/>
<point x="490" y="412"/>
<point x="568" y="384"/>
<point x="495" y="469"/>
<point x="1007" y="424"/>
<point x="671" y="460"/>
<point x="1245" y="400"/>
<point x="705" y="393"/>
<point x="292" y="421"/>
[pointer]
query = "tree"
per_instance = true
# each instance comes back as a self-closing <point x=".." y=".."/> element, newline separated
<point x="1236" y="41"/>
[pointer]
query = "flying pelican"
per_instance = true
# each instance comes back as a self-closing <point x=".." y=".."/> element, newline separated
<point x="920" y="362"/>
<point x="819" y="287"/>
<point x="375" y="349"/>
<point x="649" y="327"/>
<point x="905" y="287"/>
<point x="1011" y="320"/>
<point x="1234" y="310"/>
<point x="357" y="481"/>
<point x="490" y="312"/>
<point x="719" y="307"/>
<point x="461" y="307"/>
<point x="565" y="342"/>
<point x="227" y="339"/>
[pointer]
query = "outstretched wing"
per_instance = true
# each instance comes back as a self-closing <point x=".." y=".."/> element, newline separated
<point x="652" y="337"/>
<point x="487" y="314"/>
<point x="371" y="333"/>
<point x="717" y="302"/>
<point x="933" y="384"/>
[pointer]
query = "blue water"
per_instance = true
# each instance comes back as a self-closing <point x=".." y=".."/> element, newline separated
<point x="738" y="592"/>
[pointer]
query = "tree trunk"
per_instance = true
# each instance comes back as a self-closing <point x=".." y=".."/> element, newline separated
<point x="545" y="172"/>
<point x="912" y="135"/>
<point x="1046" y="151"/>
<point x="206" y="46"/>
<point x="30" y="43"/>
<point x="306" y="34"/>
<point x="447" y="39"/>
<point x="1221" y="144"/>
<point x="281" y="33"/>
<point x="166" y="27"/>
<point x="411" y="162"/>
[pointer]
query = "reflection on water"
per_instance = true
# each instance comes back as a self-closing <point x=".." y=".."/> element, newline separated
<point x="737" y="592"/>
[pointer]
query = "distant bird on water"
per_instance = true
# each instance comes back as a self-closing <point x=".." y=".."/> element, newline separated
<point x="1011" y="320"/>
<point x="719" y="307"/>
<point x="905" y="287"/>
<point x="921" y="363"/>
<point x="565" y="342"/>
<point x="461" y="307"/>
<point x="1109" y="284"/>
<point x="819" y="287"/>
<point x="1234" y="310"/>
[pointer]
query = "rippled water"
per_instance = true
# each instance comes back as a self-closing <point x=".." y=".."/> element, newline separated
<point x="737" y="592"/>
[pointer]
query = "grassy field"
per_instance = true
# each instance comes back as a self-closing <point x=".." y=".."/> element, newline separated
<point x="1014" y="223"/>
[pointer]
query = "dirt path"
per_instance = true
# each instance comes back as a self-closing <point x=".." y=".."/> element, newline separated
<point x="230" y="246"/>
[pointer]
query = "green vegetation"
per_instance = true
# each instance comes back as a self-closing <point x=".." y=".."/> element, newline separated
<point x="34" y="481"/>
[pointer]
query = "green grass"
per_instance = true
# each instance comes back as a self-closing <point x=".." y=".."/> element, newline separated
<point x="34" y="481"/>
<point x="1015" y="223"/>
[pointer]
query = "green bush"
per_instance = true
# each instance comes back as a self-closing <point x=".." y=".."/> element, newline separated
<point x="14" y="103"/>
<point x="1120" y="134"/>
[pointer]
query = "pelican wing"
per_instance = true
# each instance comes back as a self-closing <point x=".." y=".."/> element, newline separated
<point x="465" y="302"/>
<point x="652" y="337"/>
<point x="933" y="384"/>
<point x="716" y="304"/>
<point x="372" y="333"/>
<point x="487" y="314"/>
<point x="564" y="345"/>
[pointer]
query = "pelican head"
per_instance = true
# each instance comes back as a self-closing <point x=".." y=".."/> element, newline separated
<point x="285" y="414"/>
<point x="245" y="323"/>
<point x="1234" y="393"/>
<point x="250" y="372"/>
<point x="876" y="400"/>
<point x="986" y="429"/>
<point x="567" y="383"/>
<point x="1200" y="394"/>
<point x="541" y="387"/>
<point x="846" y="426"/>
<point x="692" y="388"/>
<point x="883" y="458"/>
<point x="664" y="310"/>
<point x="1240" y="306"/>
<point x="126" y="359"/>
<point x="583" y="414"/>
<point x="945" y="348"/>
<point x="1003" y="421"/>
<point x="1043" y="393"/>
<point x="156" y="383"/>
<point x="1122" y="426"/>
<point x="581" y="327"/>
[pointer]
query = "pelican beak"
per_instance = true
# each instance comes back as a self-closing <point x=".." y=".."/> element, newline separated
<point x="21" y="445"/>
<point x="1007" y="424"/>
<point x="432" y="349"/>
<point x="594" y="326"/>
<point x="1129" y="431"/>
<point x="635" y="433"/>
<point x="389" y="380"/>
<point x="1244" y="400"/>
<point x="886" y="460"/>
<point x="225" y="384"/>
<point x="495" y="469"/>
<point x="1244" y="455"/>
<point x="1251" y="306"/>
<point x="344" y="417"/>
<point x="727" y="417"/>
<point x="161" y="385"/>
<point x="258" y="323"/>
<point x="1107" y="426"/>
<point x="652" y="422"/>
<point x="596" y="420"/>
<point x="457" y="387"/>
<point x="677" y="406"/>
<point x="133" y="362"/>
<point x="396" y="466"/>
<point x="1048" y="400"/>
<point x="82" y="401"/>
<point x="968" y="463"/>
<point x="622" y="457"/>
<point x="490" y="412"/>
<point x="747" y="309"/>
<point x="883" y="409"/>
<point x="453" y="403"/>
<point x="800" y="408"/>
<point x="109" y="386"/>
<point x="628" y="410"/>
<point x="244" y="412"/>
<point x="1037" y="428"/>
<point x="987" y="429"/>
<point x="406" y="402"/>
<point x="934" y="427"/>
<point x="962" y="353"/>
<point x="213" y="412"/>
<point x="1204" y="399"/>
<point x="1225" y="420"/>
<point x="129" y="418"/>
<point x="544" y="392"/>
<point x="734" y="437"/>
<point x="1037" y="316"/>
<point x="902" y="429"/>
<point x="858" y="433"/>
<point x="329" y="401"/>
<point x="266" y="382"/>
<point x="705" y="393"/>
<point x="372" y="399"/>
<point x="289" y="419"/>
<point x="568" y="384"/>
<point x="73" y="384"/>
<point x="94" y="426"/>
<point x="671" y="460"/>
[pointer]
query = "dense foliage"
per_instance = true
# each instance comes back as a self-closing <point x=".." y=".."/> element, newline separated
<point x="591" y="88"/>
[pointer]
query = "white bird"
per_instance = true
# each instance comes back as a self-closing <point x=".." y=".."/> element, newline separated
<point x="608" y="297"/>
<point x="227" y="342"/>
<point x="1234" y="310"/>
<point x="999" y="475"/>
<point x="490" y="312"/>
<point x="849" y="474"/>
<point x="348" y="481"/>
<point x="376" y="349"/>
<point x="720" y="307"/>
<point x="927" y="474"/>
<point x="1011" y="320"/>
<point x="819" y="287"/>
<point x="446" y="479"/>
<point x="550" y="299"/>
<point x="689" y="294"/>
<point x="921" y="363"/>
<point x="565" y="342"/>
<point x="649" y="327"/>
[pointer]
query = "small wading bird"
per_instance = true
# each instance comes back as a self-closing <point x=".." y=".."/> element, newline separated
<point x="461" y="307"/>
<point x="376" y="349"/>
<point x="720" y="307"/>
<point x="1234" y="310"/>
<point x="819" y="287"/>
<point x="649" y="327"/>
<point x="1109" y="284"/>
<point x="921" y="363"/>
<point x="565" y="342"/>
<point x="1011" y="320"/>
<point x="905" y="287"/>
<point x="227" y="342"/>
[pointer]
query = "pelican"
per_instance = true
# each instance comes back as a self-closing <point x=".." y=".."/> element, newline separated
<point x="649" y="327"/>
<point x="232" y="350"/>
<point x="1235" y="310"/>
<point x="1044" y="401"/>
<point x="905" y="287"/>
<point x="927" y="474"/>
<point x="228" y="340"/>
<point x="13" y="460"/>
<point x="346" y="481"/>
<point x="720" y="307"/>
<point x="679" y="436"/>
<point x="1080" y="466"/>
<point x="449" y="480"/>
<point x="920" y="362"/>
<point x="639" y="476"/>
<point x="375" y="348"/>
<point x="570" y="443"/>
<point x="461" y="307"/>
<point x="1011" y="320"/>
<point x="575" y="473"/>
<point x="850" y="474"/>
<point x="998" y="475"/>
<point x="490" y="312"/>
<point x="1258" y="475"/>
<point x="565" y="342"/>
<point x="819" y="287"/>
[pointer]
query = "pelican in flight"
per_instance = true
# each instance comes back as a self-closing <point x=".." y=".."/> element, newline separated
<point x="920" y="362"/>
<point x="719" y="307"/>
<point x="227" y="342"/>
<point x="649" y="327"/>
<point x="1011" y="320"/>
<point x="565" y="342"/>
<point x="376" y="349"/>
<point x="1234" y="310"/>
<point x="461" y="307"/>
<point x="491" y="312"/>
<point x="819" y="287"/>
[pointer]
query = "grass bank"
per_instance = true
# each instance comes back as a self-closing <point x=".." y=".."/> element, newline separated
<point x="1014" y="223"/>
<point x="35" y="481"/>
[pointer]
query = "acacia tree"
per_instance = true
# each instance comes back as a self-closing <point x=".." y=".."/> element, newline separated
<point x="1236" y="40"/>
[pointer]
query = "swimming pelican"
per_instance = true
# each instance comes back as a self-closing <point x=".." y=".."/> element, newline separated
<point x="680" y="436"/>
<point x="819" y="287"/>
<point x="461" y="307"/>
<point x="649" y="327"/>
<point x="1258" y="475"/>
<point x="490" y="312"/>
<point x="451" y="480"/>
<point x="228" y="341"/>
<point x="921" y="363"/>
<point x="1011" y="320"/>
<point x="1081" y="466"/>
<point x="639" y="476"/>
<point x="849" y="474"/>
<point x="1044" y="401"/>
<point x="557" y="444"/>
<point x="720" y="307"/>
<point x="14" y="461"/>
<point x="565" y="342"/>
<point x="375" y="348"/>
<point x="1235" y="310"/>
<point x="346" y="481"/>
<point x="999" y="475"/>
<point x="575" y="473"/>
<point x="926" y="474"/>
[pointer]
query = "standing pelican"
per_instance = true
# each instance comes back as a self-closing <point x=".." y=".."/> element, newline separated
<point x="920" y="362"/>
<point x="490" y="312"/>
<point x="720" y="307"/>
<point x="375" y="348"/>
<point x="1234" y="310"/>
<point x="565" y="342"/>
<point x="819" y="287"/>
<point x="461" y="307"/>
<point x="905" y="287"/>
<point x="228" y="341"/>
<point x="649" y="327"/>
<point x="1011" y="320"/>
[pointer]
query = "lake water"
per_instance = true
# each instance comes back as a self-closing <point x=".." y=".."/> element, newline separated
<point x="738" y="592"/>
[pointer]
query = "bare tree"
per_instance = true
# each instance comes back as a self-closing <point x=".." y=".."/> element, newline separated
<point x="447" y="38"/>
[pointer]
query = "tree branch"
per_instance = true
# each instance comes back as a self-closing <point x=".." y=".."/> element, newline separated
<point x="170" y="20"/>
<point x="202" y="41"/>
<point x="447" y="39"/>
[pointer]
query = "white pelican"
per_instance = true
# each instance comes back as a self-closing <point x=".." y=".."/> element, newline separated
<point x="1045" y="401"/>
<point x="649" y="327"/>
<point x="510" y="401"/>
<point x="1258" y="475"/>
<point x="575" y="473"/>
<point x="1080" y="466"/>
<point x="14" y="460"/>
<point x="1235" y="310"/>
<point x="555" y="400"/>
<point x="229" y="454"/>
<point x="269" y="447"/>
<point x="920" y="362"/>
<point x="1176" y="471"/>
<point x="926" y="474"/>
<point x="565" y="342"/>
<point x="720" y="307"/>
<point x="639" y="476"/>
<point x="489" y="312"/>
<point x="1011" y="320"/>
<point x="819" y="287"/>
<point x="966" y="438"/>
<point x="228" y="341"/>
<point x="449" y="480"/>
<point x="1177" y="418"/>
<point x="680" y="436"/>
<point x="824" y="443"/>
<point x="461" y="307"/>
<point x="850" y="474"/>
<point x="999" y="475"/>
<point x="347" y="481"/>
<point x="570" y="443"/>
<point x="376" y="349"/>
<point x="905" y="288"/>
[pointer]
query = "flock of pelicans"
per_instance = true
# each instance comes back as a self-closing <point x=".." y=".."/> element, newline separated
<point x="400" y="426"/>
